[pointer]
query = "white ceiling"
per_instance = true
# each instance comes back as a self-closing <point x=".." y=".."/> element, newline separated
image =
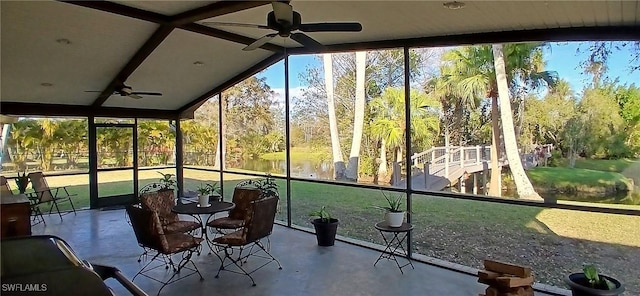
<point x="102" y="43"/>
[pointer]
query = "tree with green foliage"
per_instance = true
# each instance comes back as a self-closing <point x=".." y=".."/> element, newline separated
<point x="388" y="122"/>
<point x="471" y="75"/>
<point x="249" y="115"/>
<point x="604" y="125"/>
<point x="546" y="118"/>
<point x="628" y="99"/>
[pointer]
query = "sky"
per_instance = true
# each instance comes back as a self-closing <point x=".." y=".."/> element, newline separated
<point x="560" y="57"/>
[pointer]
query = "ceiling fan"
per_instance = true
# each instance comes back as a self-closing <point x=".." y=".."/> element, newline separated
<point x="127" y="91"/>
<point x="286" y="21"/>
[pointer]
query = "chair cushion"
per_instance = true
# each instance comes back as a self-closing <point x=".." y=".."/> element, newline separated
<point x="226" y="223"/>
<point x="179" y="241"/>
<point x="180" y="226"/>
<point x="161" y="201"/>
<point x="235" y="238"/>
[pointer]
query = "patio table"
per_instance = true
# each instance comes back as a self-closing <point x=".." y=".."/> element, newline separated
<point x="196" y="211"/>
<point x="393" y="244"/>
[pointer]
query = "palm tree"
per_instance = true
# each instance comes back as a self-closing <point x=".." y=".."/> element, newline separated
<point x="358" y="118"/>
<point x="389" y="126"/>
<point x="523" y="185"/>
<point x="73" y="137"/>
<point x="471" y="72"/>
<point x="338" y="161"/>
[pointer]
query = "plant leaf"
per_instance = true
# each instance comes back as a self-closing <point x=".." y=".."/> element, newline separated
<point x="610" y="284"/>
<point x="590" y="273"/>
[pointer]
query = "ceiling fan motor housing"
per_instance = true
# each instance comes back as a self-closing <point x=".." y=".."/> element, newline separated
<point x="284" y="28"/>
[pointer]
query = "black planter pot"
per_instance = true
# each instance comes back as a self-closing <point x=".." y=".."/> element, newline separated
<point x="325" y="232"/>
<point x="580" y="286"/>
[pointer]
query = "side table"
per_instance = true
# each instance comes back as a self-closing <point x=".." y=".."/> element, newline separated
<point x="394" y="243"/>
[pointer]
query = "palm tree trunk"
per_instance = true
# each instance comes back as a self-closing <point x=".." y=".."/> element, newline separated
<point x="523" y="185"/>
<point x="495" y="186"/>
<point x="358" y="118"/>
<point x="221" y="147"/>
<point x="338" y="161"/>
<point x="382" y="168"/>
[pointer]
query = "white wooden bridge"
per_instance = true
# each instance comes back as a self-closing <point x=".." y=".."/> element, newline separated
<point x="441" y="167"/>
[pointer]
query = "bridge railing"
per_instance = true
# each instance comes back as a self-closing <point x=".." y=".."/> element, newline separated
<point x="452" y="155"/>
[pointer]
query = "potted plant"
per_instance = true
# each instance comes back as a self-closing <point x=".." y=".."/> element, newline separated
<point x="394" y="216"/>
<point x="268" y="187"/>
<point x="22" y="181"/>
<point x="590" y="283"/>
<point x="167" y="182"/>
<point x="203" y="195"/>
<point x="325" y="226"/>
<point x="213" y="191"/>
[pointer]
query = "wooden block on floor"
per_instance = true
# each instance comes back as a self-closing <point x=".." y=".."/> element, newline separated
<point x="503" y="267"/>
<point x="491" y="291"/>
<point x="488" y="282"/>
<point x="488" y="275"/>
<point x="528" y="291"/>
<point x="511" y="282"/>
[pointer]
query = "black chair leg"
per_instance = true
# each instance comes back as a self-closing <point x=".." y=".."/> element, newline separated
<point x="72" y="207"/>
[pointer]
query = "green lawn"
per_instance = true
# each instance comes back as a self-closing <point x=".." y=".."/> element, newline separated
<point x="606" y="165"/>
<point x="585" y="180"/>
<point x="300" y="154"/>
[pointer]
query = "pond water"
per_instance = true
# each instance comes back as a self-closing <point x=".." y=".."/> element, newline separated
<point x="324" y="170"/>
<point x="301" y="169"/>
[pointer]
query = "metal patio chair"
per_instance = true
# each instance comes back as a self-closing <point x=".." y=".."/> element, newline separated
<point x="150" y="236"/>
<point x="45" y="194"/>
<point x="258" y="225"/>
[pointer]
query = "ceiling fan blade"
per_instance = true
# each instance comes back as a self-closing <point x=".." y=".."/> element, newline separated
<point x="282" y="11"/>
<point x="93" y="91"/>
<point x="146" y="93"/>
<point x="331" y="27"/>
<point x="222" y="24"/>
<point x="134" y="96"/>
<point x="307" y="41"/>
<point x="260" y="42"/>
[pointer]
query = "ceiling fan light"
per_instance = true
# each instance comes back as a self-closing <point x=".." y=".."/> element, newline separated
<point x="454" y="5"/>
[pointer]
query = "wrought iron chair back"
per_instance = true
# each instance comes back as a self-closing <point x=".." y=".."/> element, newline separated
<point x="259" y="221"/>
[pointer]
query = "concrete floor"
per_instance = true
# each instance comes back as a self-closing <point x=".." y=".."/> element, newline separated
<point x="344" y="269"/>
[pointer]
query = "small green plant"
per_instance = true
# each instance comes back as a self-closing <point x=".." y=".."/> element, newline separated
<point x="213" y="188"/>
<point x="595" y="280"/>
<point x="167" y="181"/>
<point x="393" y="203"/>
<point x="323" y="214"/>
<point x="203" y="189"/>
<point x="22" y="181"/>
<point x="268" y="187"/>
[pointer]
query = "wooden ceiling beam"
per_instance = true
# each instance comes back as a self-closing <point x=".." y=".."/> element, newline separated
<point x="38" y="109"/>
<point x="152" y="43"/>
<point x="196" y="28"/>
<point x="213" y="10"/>
<point x="190" y="107"/>
<point x="123" y="10"/>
